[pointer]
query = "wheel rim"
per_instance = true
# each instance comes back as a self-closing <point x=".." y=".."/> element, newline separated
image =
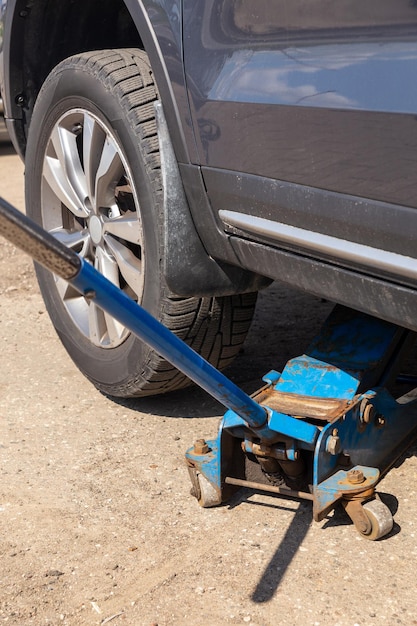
<point x="89" y="203"/>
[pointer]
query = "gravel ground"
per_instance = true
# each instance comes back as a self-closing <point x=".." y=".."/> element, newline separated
<point x="96" y="522"/>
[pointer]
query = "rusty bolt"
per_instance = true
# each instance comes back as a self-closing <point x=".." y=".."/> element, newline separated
<point x="333" y="445"/>
<point x="367" y="411"/>
<point x="201" y="446"/>
<point x="355" y="477"/>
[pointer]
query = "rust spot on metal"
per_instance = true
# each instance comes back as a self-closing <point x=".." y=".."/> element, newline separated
<point x="201" y="447"/>
<point x="355" y="477"/>
<point x="358" y="516"/>
<point x="282" y="491"/>
<point x="297" y="405"/>
<point x="350" y="489"/>
<point x="367" y="411"/>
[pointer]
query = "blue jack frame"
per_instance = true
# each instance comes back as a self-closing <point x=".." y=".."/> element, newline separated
<point x="332" y="406"/>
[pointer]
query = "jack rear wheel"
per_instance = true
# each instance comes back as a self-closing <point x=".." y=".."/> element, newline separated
<point x="380" y="519"/>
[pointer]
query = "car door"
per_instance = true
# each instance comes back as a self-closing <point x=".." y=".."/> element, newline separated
<point x="304" y="113"/>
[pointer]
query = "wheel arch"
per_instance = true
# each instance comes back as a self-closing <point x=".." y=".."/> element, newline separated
<point x="40" y="35"/>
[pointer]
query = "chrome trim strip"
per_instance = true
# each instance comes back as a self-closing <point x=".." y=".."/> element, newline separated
<point x="357" y="253"/>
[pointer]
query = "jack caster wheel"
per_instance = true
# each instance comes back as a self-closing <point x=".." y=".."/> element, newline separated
<point x="203" y="490"/>
<point x="208" y="494"/>
<point x="380" y="519"/>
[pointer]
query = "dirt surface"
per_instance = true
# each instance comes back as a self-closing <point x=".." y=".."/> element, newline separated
<point x="97" y="525"/>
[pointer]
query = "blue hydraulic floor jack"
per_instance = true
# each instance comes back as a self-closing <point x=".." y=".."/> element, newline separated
<point x="325" y="429"/>
<point x="332" y="428"/>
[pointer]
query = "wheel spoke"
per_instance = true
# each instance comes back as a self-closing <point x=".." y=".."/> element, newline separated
<point x="64" y="173"/>
<point x="126" y="228"/>
<point x="107" y="266"/>
<point x="58" y="182"/>
<point x="108" y="174"/>
<point x="115" y="330"/>
<point x="93" y="142"/>
<point x="129" y="265"/>
<point x="111" y="330"/>
<point x="96" y="324"/>
<point x="103" y="329"/>
<point x="77" y="240"/>
<point x="66" y="290"/>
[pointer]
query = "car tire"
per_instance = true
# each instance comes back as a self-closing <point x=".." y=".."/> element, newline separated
<point x="93" y="179"/>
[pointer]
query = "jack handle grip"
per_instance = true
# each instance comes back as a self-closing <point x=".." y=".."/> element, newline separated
<point x="38" y="243"/>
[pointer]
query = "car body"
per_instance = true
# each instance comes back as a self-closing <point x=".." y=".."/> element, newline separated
<point x="293" y="130"/>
